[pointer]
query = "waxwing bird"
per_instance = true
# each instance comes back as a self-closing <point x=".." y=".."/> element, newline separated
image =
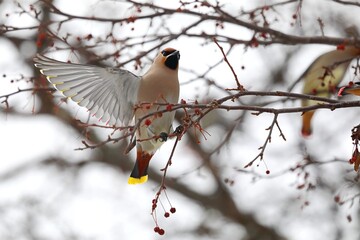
<point x="352" y="88"/>
<point x="322" y="78"/>
<point x="114" y="96"/>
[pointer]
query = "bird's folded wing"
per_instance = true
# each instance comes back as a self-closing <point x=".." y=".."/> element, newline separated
<point x="109" y="94"/>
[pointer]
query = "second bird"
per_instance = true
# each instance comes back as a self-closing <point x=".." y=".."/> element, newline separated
<point x="322" y="78"/>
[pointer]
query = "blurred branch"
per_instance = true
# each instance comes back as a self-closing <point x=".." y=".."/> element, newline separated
<point x="262" y="8"/>
<point x="357" y="4"/>
<point x="222" y="200"/>
<point x="69" y="17"/>
<point x="32" y="90"/>
<point x="6" y="29"/>
<point x="275" y="36"/>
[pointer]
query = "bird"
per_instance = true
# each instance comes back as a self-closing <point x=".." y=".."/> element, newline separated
<point x="117" y="96"/>
<point x="322" y="77"/>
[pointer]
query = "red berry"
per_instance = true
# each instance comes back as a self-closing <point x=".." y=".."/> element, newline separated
<point x="167" y="215"/>
<point x="267" y="172"/>
<point x="161" y="231"/>
<point x="263" y="35"/>
<point x="154" y="206"/>
<point x="172" y="210"/>
<point x="254" y="43"/>
<point x="147" y="122"/>
<point x="131" y="19"/>
<point x="89" y="36"/>
<point x="169" y="107"/>
<point x="38" y="43"/>
<point x="197" y="111"/>
<point x="156" y="229"/>
<point x="340" y="47"/>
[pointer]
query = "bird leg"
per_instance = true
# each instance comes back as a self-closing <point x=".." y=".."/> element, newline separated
<point x="130" y="146"/>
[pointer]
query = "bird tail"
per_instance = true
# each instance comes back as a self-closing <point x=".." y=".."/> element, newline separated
<point x="139" y="173"/>
<point x="306" y="123"/>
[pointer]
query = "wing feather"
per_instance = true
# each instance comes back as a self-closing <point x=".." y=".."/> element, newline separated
<point x="109" y="94"/>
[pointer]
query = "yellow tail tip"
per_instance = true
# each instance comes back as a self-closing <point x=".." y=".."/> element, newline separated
<point x="140" y="180"/>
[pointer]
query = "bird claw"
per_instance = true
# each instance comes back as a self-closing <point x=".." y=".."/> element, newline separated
<point x="163" y="136"/>
<point x="179" y="129"/>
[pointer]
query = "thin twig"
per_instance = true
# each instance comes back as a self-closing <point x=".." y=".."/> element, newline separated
<point x="267" y="140"/>
<point x="239" y="86"/>
<point x="162" y="183"/>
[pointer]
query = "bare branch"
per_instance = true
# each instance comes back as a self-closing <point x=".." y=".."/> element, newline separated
<point x="239" y="86"/>
<point x="357" y="4"/>
<point x="267" y="140"/>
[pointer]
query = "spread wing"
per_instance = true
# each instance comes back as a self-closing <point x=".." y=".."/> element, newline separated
<point x="109" y="94"/>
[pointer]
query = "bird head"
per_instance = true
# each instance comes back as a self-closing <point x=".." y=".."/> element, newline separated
<point x="169" y="57"/>
<point x="351" y="88"/>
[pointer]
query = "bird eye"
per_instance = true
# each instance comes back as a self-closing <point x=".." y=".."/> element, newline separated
<point x="165" y="53"/>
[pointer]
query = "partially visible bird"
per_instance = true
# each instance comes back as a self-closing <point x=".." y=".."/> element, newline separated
<point x="351" y="88"/>
<point x="323" y="76"/>
<point x="114" y="96"/>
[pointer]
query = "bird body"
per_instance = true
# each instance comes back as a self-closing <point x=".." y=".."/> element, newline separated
<point x="159" y="85"/>
<point x="322" y="78"/>
<point x="115" y="96"/>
